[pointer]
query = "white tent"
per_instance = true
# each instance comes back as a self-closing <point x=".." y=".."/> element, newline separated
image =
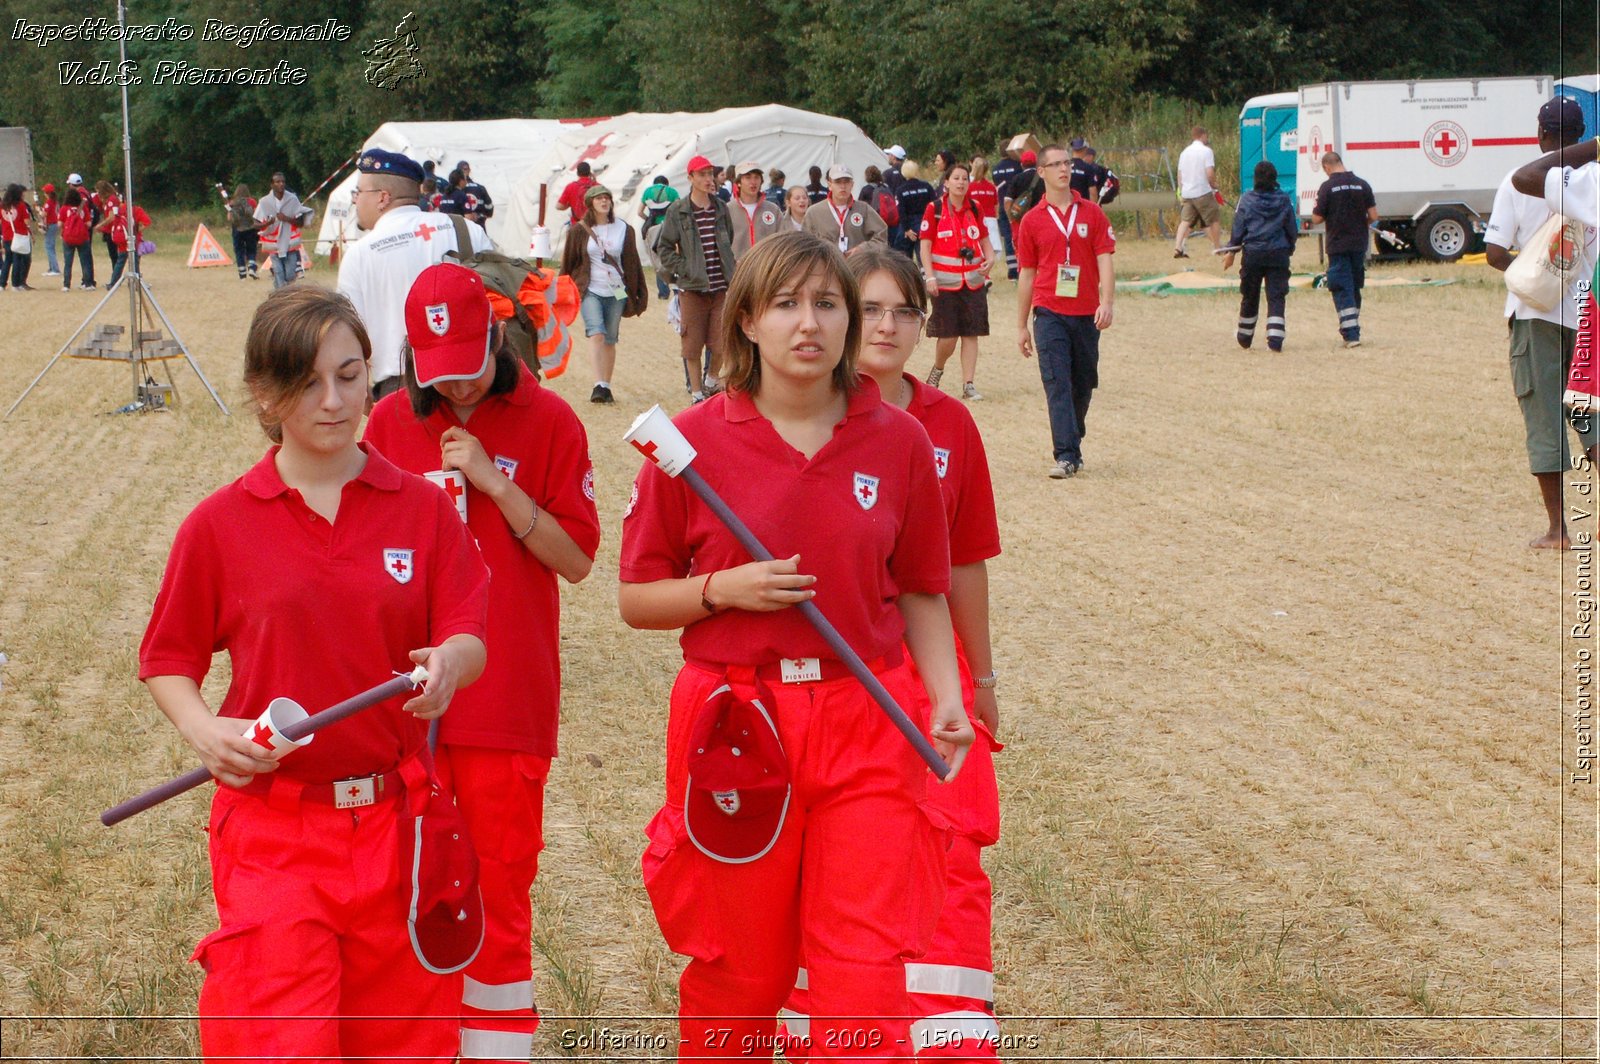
<point x="512" y="157"/>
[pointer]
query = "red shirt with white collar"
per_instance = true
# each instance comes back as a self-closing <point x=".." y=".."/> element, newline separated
<point x="963" y="468"/>
<point x="533" y="437"/>
<point x="318" y="612"/>
<point x="864" y="514"/>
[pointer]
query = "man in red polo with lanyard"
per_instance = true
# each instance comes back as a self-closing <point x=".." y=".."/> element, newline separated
<point x="515" y="460"/>
<point x="841" y="218"/>
<point x="1064" y="249"/>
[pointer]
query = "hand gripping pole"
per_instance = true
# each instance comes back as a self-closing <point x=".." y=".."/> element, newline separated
<point x="658" y="439"/>
<point x="332" y="715"/>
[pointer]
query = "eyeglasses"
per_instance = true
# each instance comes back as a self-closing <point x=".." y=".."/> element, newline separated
<point x="1061" y="163"/>
<point x="901" y="315"/>
<point x="356" y="192"/>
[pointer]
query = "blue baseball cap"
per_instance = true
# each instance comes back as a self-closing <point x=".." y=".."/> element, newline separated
<point x="389" y="163"/>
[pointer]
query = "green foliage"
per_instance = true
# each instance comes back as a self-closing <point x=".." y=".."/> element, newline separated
<point x="941" y="73"/>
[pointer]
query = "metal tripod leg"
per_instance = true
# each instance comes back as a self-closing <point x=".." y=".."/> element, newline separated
<point x="151" y="296"/>
<point x="78" y="332"/>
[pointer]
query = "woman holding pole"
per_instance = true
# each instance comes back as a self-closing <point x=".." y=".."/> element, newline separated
<point x="793" y="816"/>
<point x="313" y="959"/>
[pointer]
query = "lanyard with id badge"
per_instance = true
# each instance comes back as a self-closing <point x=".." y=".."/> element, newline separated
<point x="1066" y="273"/>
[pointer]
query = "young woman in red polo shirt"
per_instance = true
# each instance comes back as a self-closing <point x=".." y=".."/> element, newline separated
<point x="515" y="459"/>
<point x="841" y="486"/>
<point x="303" y="571"/>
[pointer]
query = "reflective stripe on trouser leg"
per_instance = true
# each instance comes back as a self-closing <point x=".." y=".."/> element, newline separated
<point x="1275" y="329"/>
<point x="501" y="796"/>
<point x="952" y="985"/>
<point x="1350" y="323"/>
<point x="1247" y="327"/>
<point x="836" y="880"/>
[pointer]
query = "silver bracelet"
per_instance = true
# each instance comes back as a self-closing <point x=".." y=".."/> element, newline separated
<point x="531" y="522"/>
<point x="988" y="681"/>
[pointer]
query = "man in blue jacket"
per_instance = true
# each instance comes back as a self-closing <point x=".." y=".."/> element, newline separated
<point x="1264" y="227"/>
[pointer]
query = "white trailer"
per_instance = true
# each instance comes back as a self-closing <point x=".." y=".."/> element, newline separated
<point x="1433" y="151"/>
<point x="16" y="157"/>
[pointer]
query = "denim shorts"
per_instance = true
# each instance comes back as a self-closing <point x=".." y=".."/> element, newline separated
<point x="602" y="314"/>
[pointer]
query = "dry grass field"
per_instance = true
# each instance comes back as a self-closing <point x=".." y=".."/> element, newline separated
<point x="1283" y="692"/>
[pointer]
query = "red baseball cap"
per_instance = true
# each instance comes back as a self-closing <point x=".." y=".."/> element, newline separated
<point x="444" y="914"/>
<point x="450" y="325"/>
<point x="738" y="788"/>
<point x="700" y="162"/>
<point x="1029" y="158"/>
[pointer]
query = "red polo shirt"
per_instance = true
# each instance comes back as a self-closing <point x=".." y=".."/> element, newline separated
<point x="963" y="468"/>
<point x="1041" y="247"/>
<point x="318" y="612"/>
<point x="864" y="514"/>
<point x="532" y="436"/>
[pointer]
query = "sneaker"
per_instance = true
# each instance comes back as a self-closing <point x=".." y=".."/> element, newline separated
<point x="66" y="288"/>
<point x="696" y="398"/>
<point x="1275" y="345"/>
<point x="52" y="273"/>
<point x="1244" y="341"/>
<point x="935" y="375"/>
<point x="1064" y="469"/>
<point x="970" y="393"/>
<point x="601" y="394"/>
<point x="712" y="386"/>
<point x="90" y="287"/>
<point x="1352" y="343"/>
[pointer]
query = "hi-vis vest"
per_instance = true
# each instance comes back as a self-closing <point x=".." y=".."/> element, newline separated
<point x="950" y="231"/>
<point x="269" y="238"/>
<point x="537" y="305"/>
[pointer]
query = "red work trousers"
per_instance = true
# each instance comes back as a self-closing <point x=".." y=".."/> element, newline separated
<point x="952" y="984"/>
<point x="501" y="795"/>
<point x="313" y="961"/>
<point x="855" y="844"/>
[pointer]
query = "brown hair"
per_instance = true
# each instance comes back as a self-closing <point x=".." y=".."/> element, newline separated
<point x="759" y="276"/>
<point x="280" y="352"/>
<point x="424" y="401"/>
<point x="873" y="259"/>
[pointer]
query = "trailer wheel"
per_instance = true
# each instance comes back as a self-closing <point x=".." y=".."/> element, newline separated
<point x="1443" y="234"/>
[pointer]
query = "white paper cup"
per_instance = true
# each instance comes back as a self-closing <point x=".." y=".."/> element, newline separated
<point x="453" y="483"/>
<point x="266" y="734"/>
<point x="655" y="436"/>
<point x="540" y="244"/>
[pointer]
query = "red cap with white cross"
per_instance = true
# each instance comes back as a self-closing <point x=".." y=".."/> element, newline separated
<point x="449" y="324"/>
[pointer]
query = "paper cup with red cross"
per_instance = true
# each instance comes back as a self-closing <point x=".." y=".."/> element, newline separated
<point x="266" y="734"/>
<point x="655" y="436"/>
<point x="540" y="242"/>
<point x="453" y="483"/>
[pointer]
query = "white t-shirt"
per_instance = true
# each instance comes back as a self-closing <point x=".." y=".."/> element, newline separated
<point x="1192" y="166"/>
<point x="605" y="279"/>
<point x="1512" y="224"/>
<point x="268" y="208"/>
<point x="1575" y="192"/>
<point x="378" y="271"/>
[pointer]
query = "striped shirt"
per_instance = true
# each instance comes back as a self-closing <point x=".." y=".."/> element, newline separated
<point x="705" y="223"/>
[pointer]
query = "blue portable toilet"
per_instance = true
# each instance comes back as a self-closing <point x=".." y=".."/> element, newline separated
<point x="1585" y="90"/>
<point x="1267" y="129"/>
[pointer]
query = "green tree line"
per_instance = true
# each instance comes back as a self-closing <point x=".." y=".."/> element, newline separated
<point x="927" y="74"/>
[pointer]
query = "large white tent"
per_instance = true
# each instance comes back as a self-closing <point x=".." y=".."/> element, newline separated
<point x="513" y="157"/>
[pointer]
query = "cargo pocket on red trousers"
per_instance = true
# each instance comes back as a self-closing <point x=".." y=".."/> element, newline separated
<point x="927" y="885"/>
<point x="670" y="866"/>
<point x="229" y="957"/>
